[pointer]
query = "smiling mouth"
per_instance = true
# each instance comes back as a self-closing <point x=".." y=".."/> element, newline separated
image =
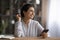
<point x="32" y="16"/>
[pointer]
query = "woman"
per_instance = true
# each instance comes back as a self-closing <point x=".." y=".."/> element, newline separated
<point x="28" y="27"/>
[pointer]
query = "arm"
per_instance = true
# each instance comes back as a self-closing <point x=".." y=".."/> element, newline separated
<point x="41" y="30"/>
<point x="18" y="27"/>
<point x="18" y="30"/>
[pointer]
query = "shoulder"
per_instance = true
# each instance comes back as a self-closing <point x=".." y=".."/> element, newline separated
<point x="35" y="22"/>
<point x="17" y="23"/>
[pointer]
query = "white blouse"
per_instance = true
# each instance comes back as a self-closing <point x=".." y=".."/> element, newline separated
<point x="34" y="29"/>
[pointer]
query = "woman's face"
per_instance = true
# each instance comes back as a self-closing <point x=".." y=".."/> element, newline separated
<point x="29" y="13"/>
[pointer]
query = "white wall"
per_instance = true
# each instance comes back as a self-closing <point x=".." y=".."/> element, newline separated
<point x="53" y="22"/>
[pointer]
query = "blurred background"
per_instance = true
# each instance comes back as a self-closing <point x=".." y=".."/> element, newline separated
<point x="47" y="12"/>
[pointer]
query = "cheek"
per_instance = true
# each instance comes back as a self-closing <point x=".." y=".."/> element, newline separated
<point x="26" y="15"/>
<point x="30" y="13"/>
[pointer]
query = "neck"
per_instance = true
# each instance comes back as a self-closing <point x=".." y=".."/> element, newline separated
<point x="26" y="20"/>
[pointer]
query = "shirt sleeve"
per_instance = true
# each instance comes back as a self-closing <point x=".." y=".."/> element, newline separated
<point x="18" y="30"/>
<point x="39" y="28"/>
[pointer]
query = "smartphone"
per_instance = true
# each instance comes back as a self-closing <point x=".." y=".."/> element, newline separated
<point x="45" y="30"/>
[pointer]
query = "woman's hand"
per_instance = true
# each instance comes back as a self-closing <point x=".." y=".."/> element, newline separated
<point x="44" y="35"/>
<point x="18" y="17"/>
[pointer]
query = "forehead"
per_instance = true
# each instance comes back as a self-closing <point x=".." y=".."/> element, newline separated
<point x="31" y="8"/>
